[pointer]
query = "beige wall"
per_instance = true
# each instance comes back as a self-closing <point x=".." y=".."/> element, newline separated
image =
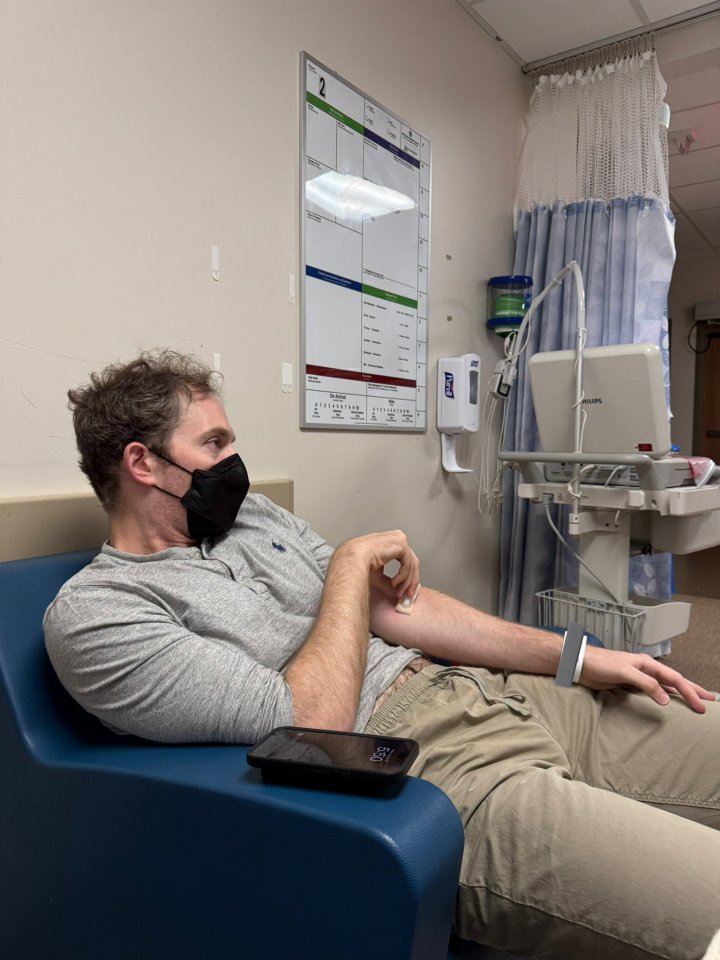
<point x="136" y="133"/>
<point x="693" y="281"/>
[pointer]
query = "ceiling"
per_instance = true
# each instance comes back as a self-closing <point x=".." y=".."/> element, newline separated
<point x="534" y="32"/>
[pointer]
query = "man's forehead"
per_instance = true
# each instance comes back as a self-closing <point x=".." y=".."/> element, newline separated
<point x="204" y="412"/>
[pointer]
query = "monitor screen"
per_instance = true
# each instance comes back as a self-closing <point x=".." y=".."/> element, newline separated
<point x="623" y="398"/>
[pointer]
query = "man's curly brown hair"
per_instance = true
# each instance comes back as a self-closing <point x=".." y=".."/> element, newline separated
<point x="137" y="401"/>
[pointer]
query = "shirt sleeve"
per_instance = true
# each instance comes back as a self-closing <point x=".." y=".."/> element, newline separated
<point x="126" y="659"/>
<point x="320" y="549"/>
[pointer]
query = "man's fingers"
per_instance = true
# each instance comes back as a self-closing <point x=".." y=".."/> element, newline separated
<point x="406" y="580"/>
<point x="608" y="668"/>
<point x="702" y="692"/>
<point x="383" y="583"/>
<point x="656" y="679"/>
<point x="379" y="549"/>
<point x="650" y="686"/>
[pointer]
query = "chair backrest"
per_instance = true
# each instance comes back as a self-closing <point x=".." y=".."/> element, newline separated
<point x="47" y="719"/>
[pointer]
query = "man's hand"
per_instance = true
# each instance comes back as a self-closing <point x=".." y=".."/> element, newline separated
<point x="378" y="549"/>
<point x="603" y="669"/>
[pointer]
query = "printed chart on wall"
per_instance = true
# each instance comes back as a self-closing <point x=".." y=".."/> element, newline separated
<point x="365" y="252"/>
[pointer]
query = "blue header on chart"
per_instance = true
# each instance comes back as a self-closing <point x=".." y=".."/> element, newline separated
<point x="381" y="142"/>
<point x="332" y="278"/>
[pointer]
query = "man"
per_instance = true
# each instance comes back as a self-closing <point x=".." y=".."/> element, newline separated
<point x="210" y="615"/>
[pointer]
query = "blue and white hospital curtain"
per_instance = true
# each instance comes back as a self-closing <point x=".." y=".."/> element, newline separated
<point x="625" y="249"/>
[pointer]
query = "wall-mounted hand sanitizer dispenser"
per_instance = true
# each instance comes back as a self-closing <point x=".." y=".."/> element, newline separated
<point x="458" y="404"/>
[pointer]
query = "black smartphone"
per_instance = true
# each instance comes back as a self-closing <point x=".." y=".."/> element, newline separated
<point x="332" y="757"/>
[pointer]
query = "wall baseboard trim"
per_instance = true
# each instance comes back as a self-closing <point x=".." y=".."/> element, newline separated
<point x="37" y="526"/>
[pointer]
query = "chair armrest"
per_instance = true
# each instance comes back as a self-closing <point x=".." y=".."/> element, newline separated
<point x="227" y="862"/>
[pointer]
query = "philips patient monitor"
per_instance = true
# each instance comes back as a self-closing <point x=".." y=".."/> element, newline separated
<point x="623" y="398"/>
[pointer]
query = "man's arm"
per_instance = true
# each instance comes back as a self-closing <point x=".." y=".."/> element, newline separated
<point x="325" y="676"/>
<point x="122" y="653"/>
<point x="446" y="628"/>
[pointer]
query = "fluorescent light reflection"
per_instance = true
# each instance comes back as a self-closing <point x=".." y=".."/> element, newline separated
<point x="352" y="198"/>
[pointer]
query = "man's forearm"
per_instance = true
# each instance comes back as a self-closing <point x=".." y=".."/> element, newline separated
<point x="325" y="676"/>
<point x="451" y="630"/>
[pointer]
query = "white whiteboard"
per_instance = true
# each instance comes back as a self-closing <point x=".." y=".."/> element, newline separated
<point x="365" y="253"/>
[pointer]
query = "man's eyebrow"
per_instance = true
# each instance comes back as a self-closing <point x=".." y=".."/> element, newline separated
<point x="218" y="432"/>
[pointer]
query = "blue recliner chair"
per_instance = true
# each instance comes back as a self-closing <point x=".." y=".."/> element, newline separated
<point x="118" y="848"/>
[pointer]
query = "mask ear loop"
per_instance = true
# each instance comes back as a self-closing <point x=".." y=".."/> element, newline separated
<point x="168" y="460"/>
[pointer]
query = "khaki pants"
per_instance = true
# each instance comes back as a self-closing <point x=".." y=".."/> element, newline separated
<point x="561" y="860"/>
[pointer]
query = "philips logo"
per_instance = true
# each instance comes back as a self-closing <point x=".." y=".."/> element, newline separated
<point x="450" y="386"/>
<point x="592" y="399"/>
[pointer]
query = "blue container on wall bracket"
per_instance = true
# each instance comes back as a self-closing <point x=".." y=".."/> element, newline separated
<point x="508" y="300"/>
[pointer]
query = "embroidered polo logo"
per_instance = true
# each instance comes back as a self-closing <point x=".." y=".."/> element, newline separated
<point x="278" y="546"/>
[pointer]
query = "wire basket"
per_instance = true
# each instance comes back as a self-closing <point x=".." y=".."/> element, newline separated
<point x="618" y="625"/>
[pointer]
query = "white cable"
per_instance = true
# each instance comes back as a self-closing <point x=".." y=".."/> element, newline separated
<point x="488" y="414"/>
<point x="491" y="467"/>
<point x="577" y="556"/>
<point x="509" y="343"/>
<point x="489" y="486"/>
<point x="519" y="340"/>
<point x="500" y="465"/>
<point x="576" y="495"/>
<point x="508" y="371"/>
<point x="614" y="470"/>
<point x="516" y="337"/>
<point x="580" y="414"/>
<point x="569" y="488"/>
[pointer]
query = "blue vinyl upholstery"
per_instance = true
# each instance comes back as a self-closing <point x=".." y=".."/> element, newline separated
<point x="115" y="847"/>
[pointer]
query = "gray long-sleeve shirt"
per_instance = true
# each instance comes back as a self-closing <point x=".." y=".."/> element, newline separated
<point x="190" y="644"/>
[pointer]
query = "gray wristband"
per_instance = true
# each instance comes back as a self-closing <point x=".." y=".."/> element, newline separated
<point x="572" y="645"/>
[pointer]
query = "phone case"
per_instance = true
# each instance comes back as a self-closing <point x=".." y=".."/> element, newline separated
<point x="331" y="757"/>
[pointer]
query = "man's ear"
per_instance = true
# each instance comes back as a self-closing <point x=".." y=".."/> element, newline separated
<point x="140" y="463"/>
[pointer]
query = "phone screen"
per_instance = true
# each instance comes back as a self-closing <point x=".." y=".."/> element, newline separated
<point x="328" y="751"/>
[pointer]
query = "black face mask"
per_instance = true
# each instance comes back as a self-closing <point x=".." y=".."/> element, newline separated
<point x="214" y="497"/>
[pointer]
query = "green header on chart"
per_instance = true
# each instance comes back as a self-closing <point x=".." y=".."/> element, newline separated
<point x="385" y="295"/>
<point x="334" y="112"/>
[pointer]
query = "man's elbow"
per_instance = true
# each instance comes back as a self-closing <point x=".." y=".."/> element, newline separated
<point x="324" y="720"/>
<point x="328" y="713"/>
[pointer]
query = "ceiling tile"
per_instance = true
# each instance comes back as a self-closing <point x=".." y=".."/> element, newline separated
<point x="707" y="219"/>
<point x="698" y="166"/>
<point x="698" y="196"/>
<point x="664" y="9"/>
<point x="695" y="254"/>
<point x="682" y="224"/>
<point x="714" y="238"/>
<point x="539" y="30"/>
<point x="704" y="120"/>
<point x="691" y="241"/>
<point x="693" y="90"/>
